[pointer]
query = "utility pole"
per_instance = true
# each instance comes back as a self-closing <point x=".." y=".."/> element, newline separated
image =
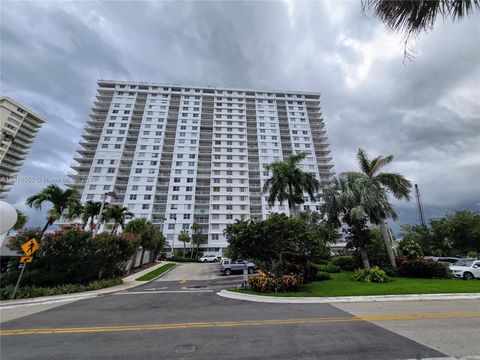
<point x="419" y="206"/>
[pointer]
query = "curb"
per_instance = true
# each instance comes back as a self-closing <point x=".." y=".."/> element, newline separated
<point x="346" y="299"/>
<point x="10" y="304"/>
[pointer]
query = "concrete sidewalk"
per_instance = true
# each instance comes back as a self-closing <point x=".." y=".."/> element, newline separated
<point x="12" y="309"/>
<point x="345" y="299"/>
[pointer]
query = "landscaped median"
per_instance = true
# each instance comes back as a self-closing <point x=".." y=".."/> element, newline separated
<point x="157" y="272"/>
<point x="343" y="285"/>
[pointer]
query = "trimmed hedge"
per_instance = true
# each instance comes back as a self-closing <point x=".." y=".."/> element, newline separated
<point x="328" y="268"/>
<point x="344" y="262"/>
<point x="35" y="291"/>
<point x="421" y="268"/>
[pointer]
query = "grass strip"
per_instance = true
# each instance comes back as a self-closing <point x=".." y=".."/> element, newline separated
<point x="342" y="284"/>
<point x="155" y="273"/>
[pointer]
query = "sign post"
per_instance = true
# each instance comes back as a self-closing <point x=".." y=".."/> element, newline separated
<point x="29" y="248"/>
<point x="245" y="278"/>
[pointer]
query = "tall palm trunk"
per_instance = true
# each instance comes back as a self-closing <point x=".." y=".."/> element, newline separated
<point x="388" y="244"/>
<point x="47" y="225"/>
<point x="184" y="246"/>
<point x="364" y="255"/>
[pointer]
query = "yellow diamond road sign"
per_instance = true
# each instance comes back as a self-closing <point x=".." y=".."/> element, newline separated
<point x="30" y="247"/>
<point x="26" y="259"/>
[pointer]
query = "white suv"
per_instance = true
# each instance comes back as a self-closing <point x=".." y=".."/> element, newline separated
<point x="208" y="258"/>
<point x="467" y="269"/>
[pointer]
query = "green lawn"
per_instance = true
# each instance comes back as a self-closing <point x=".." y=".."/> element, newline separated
<point x="341" y="284"/>
<point x="155" y="273"/>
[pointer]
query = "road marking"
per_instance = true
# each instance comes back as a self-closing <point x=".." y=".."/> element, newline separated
<point x="164" y="292"/>
<point x="216" y="324"/>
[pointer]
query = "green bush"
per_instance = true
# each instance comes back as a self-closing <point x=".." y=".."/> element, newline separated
<point x="421" y="268"/>
<point x="35" y="291"/>
<point x="328" y="268"/>
<point x="344" y="262"/>
<point x="374" y="274"/>
<point x="472" y="254"/>
<point x="72" y="256"/>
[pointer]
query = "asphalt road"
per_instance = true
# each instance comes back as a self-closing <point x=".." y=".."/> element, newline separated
<point x="185" y="319"/>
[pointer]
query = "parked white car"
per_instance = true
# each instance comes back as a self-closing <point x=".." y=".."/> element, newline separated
<point x="467" y="269"/>
<point x="209" y="258"/>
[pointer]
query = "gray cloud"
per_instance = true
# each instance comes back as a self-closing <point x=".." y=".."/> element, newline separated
<point x="425" y="112"/>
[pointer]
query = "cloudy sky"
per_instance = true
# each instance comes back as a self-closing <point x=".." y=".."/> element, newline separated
<point x="426" y="112"/>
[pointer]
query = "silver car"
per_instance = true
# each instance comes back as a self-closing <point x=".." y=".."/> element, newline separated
<point x="228" y="266"/>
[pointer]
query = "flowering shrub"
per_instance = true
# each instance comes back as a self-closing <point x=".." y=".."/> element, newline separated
<point x="72" y="256"/>
<point x="374" y="274"/>
<point x="265" y="283"/>
<point x="410" y="249"/>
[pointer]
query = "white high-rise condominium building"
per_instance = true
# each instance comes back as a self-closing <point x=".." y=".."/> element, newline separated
<point x="182" y="154"/>
<point x="19" y="126"/>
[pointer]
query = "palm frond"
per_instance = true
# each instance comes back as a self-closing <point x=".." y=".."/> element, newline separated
<point x="396" y="184"/>
<point x="363" y="161"/>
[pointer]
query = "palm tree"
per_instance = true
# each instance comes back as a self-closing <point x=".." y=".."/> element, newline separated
<point x="197" y="238"/>
<point x="184" y="237"/>
<point x="118" y="214"/>
<point x="91" y="209"/>
<point x="65" y="203"/>
<point x="150" y="236"/>
<point x="21" y="220"/>
<point x="414" y="16"/>
<point x="384" y="182"/>
<point x="289" y="182"/>
<point x="353" y="200"/>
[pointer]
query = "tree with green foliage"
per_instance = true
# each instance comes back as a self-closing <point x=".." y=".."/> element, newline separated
<point x="355" y="201"/>
<point x="118" y="215"/>
<point x="197" y="238"/>
<point x="150" y="237"/>
<point x="274" y="242"/>
<point x="384" y="183"/>
<point x="184" y="237"/>
<point x="324" y="229"/>
<point x="451" y="235"/>
<point x="22" y="219"/>
<point x="289" y="182"/>
<point x="90" y="211"/>
<point x="64" y="203"/>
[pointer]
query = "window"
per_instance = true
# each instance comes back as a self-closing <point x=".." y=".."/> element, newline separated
<point x="133" y="197"/>
<point x="186" y="216"/>
<point x="145" y="206"/>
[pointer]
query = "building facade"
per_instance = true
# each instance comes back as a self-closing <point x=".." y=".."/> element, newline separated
<point x="177" y="155"/>
<point x="19" y="126"/>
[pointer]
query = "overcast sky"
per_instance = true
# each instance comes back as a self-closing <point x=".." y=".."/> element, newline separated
<point x="426" y="112"/>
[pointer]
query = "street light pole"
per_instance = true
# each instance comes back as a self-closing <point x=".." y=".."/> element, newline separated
<point x="99" y="220"/>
